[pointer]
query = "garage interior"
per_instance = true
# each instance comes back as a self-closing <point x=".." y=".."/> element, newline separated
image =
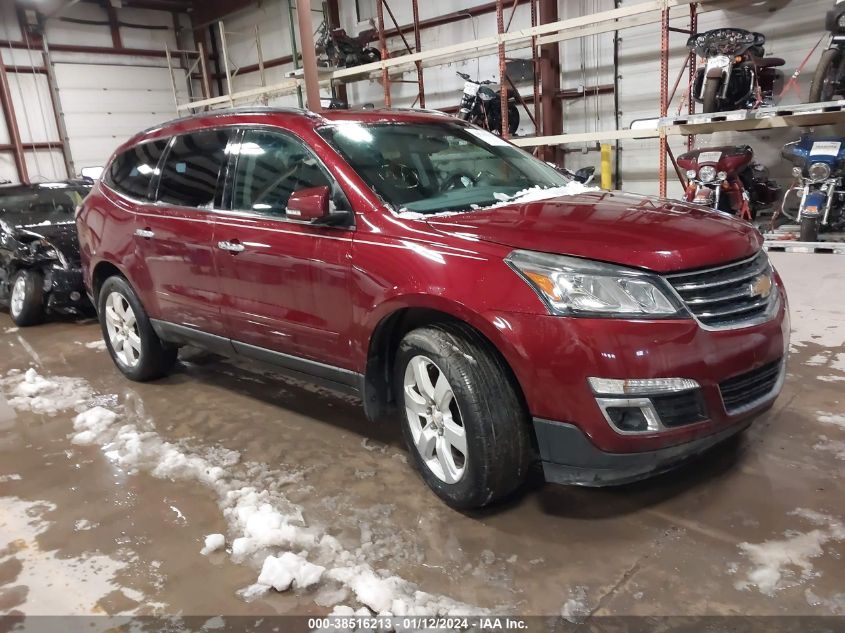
<point x="129" y="527"/>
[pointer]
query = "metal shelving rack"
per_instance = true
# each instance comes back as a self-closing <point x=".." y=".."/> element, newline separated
<point x="542" y="33"/>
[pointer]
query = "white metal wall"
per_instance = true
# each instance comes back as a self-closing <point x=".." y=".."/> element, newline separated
<point x="105" y="98"/>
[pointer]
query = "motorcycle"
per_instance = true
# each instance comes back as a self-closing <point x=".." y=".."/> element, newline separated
<point x="737" y="74"/>
<point x="481" y="104"/>
<point x="819" y="167"/>
<point x="727" y="179"/>
<point x="341" y="50"/>
<point x="829" y="78"/>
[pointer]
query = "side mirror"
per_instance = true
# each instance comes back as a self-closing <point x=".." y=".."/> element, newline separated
<point x="585" y="175"/>
<point x="309" y="205"/>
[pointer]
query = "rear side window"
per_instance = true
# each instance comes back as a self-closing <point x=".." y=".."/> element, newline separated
<point x="132" y="171"/>
<point x="192" y="167"/>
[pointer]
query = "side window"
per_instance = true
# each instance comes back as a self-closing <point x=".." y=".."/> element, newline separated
<point x="192" y="167"/>
<point x="132" y="171"/>
<point x="270" y="167"/>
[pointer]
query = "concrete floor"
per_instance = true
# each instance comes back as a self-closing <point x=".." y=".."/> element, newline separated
<point x="755" y="527"/>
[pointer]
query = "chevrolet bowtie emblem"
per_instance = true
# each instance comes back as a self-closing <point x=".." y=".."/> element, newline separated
<point x="761" y="286"/>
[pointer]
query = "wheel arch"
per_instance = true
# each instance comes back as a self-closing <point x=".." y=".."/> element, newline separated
<point x="391" y="327"/>
<point x="102" y="271"/>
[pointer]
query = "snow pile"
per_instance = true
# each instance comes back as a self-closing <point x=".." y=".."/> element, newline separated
<point x="29" y="391"/>
<point x="837" y="419"/>
<point x="100" y="345"/>
<point x="213" y="542"/>
<point x="289" y="569"/>
<point x="786" y="562"/>
<point x="532" y="194"/>
<point x="267" y="529"/>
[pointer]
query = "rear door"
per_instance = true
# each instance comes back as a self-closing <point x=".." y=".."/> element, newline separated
<point x="175" y="236"/>
<point x="286" y="284"/>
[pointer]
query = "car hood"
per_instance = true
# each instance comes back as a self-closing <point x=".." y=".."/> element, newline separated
<point x="620" y="228"/>
<point x="63" y="236"/>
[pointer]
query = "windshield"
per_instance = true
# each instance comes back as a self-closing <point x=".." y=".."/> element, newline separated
<point x="45" y="204"/>
<point x="437" y="167"/>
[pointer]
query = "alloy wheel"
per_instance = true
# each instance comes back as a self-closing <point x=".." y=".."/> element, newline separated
<point x="18" y="296"/>
<point x="122" y="326"/>
<point x="434" y="419"/>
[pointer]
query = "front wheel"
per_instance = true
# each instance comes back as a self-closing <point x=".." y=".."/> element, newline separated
<point x="711" y="95"/>
<point x="810" y="228"/>
<point x="134" y="346"/>
<point x="463" y="420"/>
<point x="26" y="302"/>
<point x="826" y="77"/>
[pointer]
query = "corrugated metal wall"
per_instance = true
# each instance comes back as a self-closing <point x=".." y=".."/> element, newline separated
<point x="105" y="103"/>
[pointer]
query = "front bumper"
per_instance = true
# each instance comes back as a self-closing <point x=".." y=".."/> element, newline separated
<point x="568" y="457"/>
<point x="65" y="292"/>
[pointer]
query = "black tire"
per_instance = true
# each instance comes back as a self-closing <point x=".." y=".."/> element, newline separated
<point x="513" y="118"/>
<point x="490" y="411"/>
<point x="711" y="95"/>
<point x="825" y="78"/>
<point x="31" y="310"/>
<point x="372" y="55"/>
<point x="156" y="358"/>
<point x="809" y="228"/>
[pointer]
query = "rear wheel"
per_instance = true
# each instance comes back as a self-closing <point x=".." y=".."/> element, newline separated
<point x="711" y="95"/>
<point x="26" y="301"/>
<point x="810" y="228"/>
<point x="134" y="346"/>
<point x="464" y="423"/>
<point x="826" y="77"/>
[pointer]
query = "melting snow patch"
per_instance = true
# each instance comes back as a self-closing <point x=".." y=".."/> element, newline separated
<point x="213" y="542"/>
<point x="12" y="477"/>
<point x="575" y="609"/>
<point x="100" y="345"/>
<point x="266" y="528"/>
<point x="836" y="419"/>
<point x="831" y="446"/>
<point x="29" y="391"/>
<point x="788" y="561"/>
<point x="11" y="330"/>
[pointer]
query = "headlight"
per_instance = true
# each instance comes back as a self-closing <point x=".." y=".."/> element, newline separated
<point x="44" y="249"/>
<point x="582" y="287"/>
<point x="840" y="21"/>
<point x="796" y="171"/>
<point x="707" y="173"/>
<point x="819" y="171"/>
<point x="691" y="173"/>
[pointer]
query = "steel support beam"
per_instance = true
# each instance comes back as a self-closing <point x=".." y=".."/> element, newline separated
<point x="551" y="116"/>
<point x="309" y="55"/>
<point x="8" y="107"/>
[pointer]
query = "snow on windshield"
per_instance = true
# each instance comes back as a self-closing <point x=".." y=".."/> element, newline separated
<point x="532" y="194"/>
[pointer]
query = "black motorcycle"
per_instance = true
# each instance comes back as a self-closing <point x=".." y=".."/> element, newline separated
<point x="339" y="49"/>
<point x="829" y="79"/>
<point x="736" y="74"/>
<point x="481" y="104"/>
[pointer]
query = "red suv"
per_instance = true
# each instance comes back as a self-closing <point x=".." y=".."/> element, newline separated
<point x="502" y="312"/>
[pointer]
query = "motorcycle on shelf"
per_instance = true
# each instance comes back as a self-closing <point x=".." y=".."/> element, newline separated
<point x="481" y="104"/>
<point x="829" y="78"/>
<point x="338" y="49"/>
<point x="727" y="179"/>
<point x="819" y="169"/>
<point x="736" y="75"/>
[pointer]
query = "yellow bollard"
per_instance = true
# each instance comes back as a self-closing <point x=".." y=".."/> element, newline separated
<point x="606" y="170"/>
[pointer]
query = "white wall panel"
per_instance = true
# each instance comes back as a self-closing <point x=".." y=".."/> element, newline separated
<point x="45" y="165"/>
<point x="61" y="32"/>
<point x="155" y="39"/>
<point x="105" y="105"/>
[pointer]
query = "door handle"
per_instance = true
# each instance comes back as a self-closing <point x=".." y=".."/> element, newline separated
<point x="232" y="247"/>
<point x="147" y="234"/>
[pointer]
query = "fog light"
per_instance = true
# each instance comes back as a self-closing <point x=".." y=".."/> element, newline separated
<point x="75" y="296"/>
<point x="691" y="173"/>
<point x="628" y="419"/>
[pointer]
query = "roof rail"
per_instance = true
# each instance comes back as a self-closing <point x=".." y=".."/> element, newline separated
<point x="252" y="109"/>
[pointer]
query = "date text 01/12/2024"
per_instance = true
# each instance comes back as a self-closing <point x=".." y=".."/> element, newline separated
<point x="484" y="623"/>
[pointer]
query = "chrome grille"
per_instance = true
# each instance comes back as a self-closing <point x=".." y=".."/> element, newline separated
<point x="725" y="296"/>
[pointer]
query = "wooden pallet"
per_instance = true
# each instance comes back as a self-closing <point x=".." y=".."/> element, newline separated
<point x="791" y="246"/>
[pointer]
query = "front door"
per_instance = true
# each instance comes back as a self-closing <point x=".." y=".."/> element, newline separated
<point x="175" y="238"/>
<point x="286" y="284"/>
